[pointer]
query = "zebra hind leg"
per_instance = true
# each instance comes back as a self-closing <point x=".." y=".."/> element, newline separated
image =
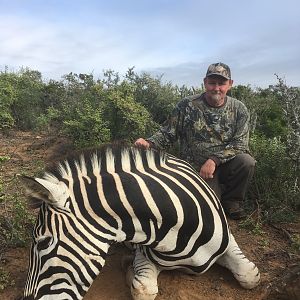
<point x="142" y="278"/>
<point x="243" y="270"/>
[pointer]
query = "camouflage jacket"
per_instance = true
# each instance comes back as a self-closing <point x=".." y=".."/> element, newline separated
<point x="204" y="131"/>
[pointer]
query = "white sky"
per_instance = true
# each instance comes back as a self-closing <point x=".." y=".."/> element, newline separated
<point x="176" y="38"/>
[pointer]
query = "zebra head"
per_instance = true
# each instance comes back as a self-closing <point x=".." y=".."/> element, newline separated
<point x="63" y="260"/>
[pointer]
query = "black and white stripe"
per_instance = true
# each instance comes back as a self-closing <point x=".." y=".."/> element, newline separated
<point x="118" y="194"/>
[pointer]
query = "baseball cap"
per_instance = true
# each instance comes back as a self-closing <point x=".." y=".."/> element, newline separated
<point x="219" y="69"/>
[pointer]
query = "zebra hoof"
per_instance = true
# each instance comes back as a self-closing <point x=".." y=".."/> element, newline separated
<point x="142" y="292"/>
<point x="249" y="280"/>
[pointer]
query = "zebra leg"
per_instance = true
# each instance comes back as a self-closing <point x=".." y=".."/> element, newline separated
<point x="243" y="270"/>
<point x="142" y="277"/>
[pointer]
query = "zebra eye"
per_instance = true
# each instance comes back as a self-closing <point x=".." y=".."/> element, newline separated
<point x="43" y="243"/>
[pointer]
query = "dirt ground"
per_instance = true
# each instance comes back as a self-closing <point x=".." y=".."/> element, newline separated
<point x="270" y="248"/>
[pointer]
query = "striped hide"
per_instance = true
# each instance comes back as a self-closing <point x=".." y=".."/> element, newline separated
<point x="114" y="194"/>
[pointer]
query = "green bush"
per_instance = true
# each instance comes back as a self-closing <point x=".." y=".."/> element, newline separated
<point x="14" y="227"/>
<point x="21" y="98"/>
<point x="87" y="127"/>
<point x="276" y="182"/>
<point x="50" y="120"/>
<point x="6" y="119"/>
<point x="267" y="118"/>
<point x="127" y="119"/>
<point x="16" y="220"/>
<point x="157" y="97"/>
<point x="7" y="97"/>
<point x="5" y="279"/>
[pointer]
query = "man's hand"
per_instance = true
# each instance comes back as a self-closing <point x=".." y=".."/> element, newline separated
<point x="208" y="169"/>
<point x="142" y="143"/>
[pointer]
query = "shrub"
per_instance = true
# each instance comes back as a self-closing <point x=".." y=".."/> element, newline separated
<point x="14" y="227"/>
<point x="21" y="98"/>
<point x="87" y="127"/>
<point x="27" y="105"/>
<point x="5" y="279"/>
<point x="127" y="119"/>
<point x="51" y="120"/>
<point x="7" y="97"/>
<point x="157" y="97"/>
<point x="6" y="119"/>
<point x="275" y="184"/>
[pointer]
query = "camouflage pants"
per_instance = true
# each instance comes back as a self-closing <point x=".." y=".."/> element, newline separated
<point x="231" y="179"/>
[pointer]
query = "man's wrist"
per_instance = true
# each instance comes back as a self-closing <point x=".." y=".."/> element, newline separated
<point x="151" y="144"/>
<point x="216" y="160"/>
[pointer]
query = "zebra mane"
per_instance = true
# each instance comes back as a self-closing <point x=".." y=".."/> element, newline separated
<point x="108" y="158"/>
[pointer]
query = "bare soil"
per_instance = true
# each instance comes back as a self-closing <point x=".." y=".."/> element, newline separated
<point x="270" y="249"/>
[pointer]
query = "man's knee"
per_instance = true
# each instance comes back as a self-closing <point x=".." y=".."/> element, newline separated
<point x="245" y="160"/>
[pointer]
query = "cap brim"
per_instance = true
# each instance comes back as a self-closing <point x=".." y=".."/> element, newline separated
<point x="218" y="74"/>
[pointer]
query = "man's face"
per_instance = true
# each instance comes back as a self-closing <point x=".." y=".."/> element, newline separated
<point x="216" y="88"/>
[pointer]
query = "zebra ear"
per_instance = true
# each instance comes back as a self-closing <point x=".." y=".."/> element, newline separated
<point x="41" y="190"/>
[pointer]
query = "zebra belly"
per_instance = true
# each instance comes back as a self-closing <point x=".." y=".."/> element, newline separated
<point x="195" y="257"/>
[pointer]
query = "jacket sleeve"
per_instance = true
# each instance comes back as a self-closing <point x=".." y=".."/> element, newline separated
<point x="170" y="130"/>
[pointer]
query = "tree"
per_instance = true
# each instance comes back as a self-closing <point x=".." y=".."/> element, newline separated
<point x="8" y="96"/>
<point x="127" y="119"/>
<point x="158" y="98"/>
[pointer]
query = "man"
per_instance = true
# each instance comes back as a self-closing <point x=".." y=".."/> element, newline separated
<point x="213" y="133"/>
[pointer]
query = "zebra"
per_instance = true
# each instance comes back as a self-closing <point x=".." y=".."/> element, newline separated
<point x="113" y="194"/>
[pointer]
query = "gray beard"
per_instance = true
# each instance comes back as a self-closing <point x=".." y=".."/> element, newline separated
<point x="216" y="97"/>
<point x="217" y="100"/>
